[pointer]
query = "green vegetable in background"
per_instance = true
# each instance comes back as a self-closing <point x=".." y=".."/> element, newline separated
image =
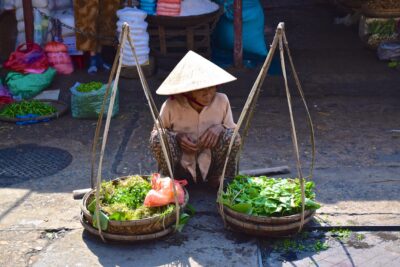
<point x="382" y="28"/>
<point x="27" y="107"/>
<point x="264" y="196"/>
<point x="89" y="87"/>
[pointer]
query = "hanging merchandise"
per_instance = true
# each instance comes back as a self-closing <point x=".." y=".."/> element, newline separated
<point x="252" y="31"/>
<point x="169" y="7"/>
<point x="149" y="6"/>
<point x="138" y="32"/>
<point x="27" y="58"/>
<point x="58" y="57"/>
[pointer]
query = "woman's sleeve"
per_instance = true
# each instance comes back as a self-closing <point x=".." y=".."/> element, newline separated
<point x="228" y="118"/>
<point x="165" y="115"/>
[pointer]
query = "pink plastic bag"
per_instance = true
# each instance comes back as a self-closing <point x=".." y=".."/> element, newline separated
<point x="58" y="57"/>
<point x="162" y="192"/>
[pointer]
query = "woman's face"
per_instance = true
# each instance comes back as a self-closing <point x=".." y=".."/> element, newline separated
<point x="204" y="96"/>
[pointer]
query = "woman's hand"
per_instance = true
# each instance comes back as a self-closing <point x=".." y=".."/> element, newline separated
<point x="186" y="143"/>
<point x="210" y="137"/>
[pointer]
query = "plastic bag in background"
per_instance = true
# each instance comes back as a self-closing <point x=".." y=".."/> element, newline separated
<point x="88" y="105"/>
<point x="389" y="51"/>
<point x="58" y="57"/>
<point x="5" y="96"/>
<point x="162" y="192"/>
<point x="27" y="58"/>
<point x="252" y="31"/>
<point x="27" y="86"/>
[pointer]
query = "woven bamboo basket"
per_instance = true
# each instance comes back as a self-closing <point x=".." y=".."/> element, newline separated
<point x="380" y="13"/>
<point x="146" y="226"/>
<point x="352" y="4"/>
<point x="60" y="106"/>
<point x="124" y="237"/>
<point x="265" y="226"/>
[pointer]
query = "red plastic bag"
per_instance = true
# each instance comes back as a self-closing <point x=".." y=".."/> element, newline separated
<point x="30" y="59"/>
<point x="162" y="192"/>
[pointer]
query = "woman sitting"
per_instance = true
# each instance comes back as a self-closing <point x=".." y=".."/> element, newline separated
<point x="198" y="122"/>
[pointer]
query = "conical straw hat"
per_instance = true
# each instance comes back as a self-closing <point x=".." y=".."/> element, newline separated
<point x="193" y="72"/>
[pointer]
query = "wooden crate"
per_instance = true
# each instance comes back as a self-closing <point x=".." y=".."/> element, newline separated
<point x="174" y="36"/>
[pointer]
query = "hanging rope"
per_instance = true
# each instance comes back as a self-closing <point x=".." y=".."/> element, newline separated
<point x="301" y="92"/>
<point x="159" y="126"/>
<point x="293" y="132"/>
<point x="248" y="112"/>
<point x="116" y="68"/>
<point x="254" y="91"/>
<point x="106" y="130"/>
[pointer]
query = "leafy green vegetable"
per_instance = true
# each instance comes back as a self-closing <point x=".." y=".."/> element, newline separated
<point x="27" y="107"/>
<point x="89" y="87"/>
<point x="393" y="64"/>
<point x="382" y="28"/>
<point x="264" y="196"/>
<point x="103" y="220"/>
<point x="124" y="200"/>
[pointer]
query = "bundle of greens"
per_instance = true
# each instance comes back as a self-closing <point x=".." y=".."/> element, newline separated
<point x="264" y="196"/>
<point x="89" y="87"/>
<point x="384" y="28"/>
<point x="124" y="201"/>
<point x="22" y="108"/>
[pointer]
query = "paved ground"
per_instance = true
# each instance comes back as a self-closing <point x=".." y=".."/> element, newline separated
<point x="353" y="100"/>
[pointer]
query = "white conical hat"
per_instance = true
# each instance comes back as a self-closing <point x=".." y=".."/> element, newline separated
<point x="193" y="72"/>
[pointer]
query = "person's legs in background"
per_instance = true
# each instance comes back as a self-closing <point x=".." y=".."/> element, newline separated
<point x="97" y="17"/>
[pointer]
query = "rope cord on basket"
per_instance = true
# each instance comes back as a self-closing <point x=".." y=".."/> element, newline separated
<point x="159" y="126"/>
<point x="154" y="112"/>
<point x="301" y="92"/>
<point x="254" y="91"/>
<point x="106" y="129"/>
<point x="293" y="132"/>
<point x="280" y="37"/>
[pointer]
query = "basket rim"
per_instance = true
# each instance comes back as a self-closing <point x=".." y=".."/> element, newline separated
<point x="256" y="218"/>
<point x="85" y="211"/>
<point x="270" y="228"/>
<point x="60" y="111"/>
<point x="124" y="237"/>
<point x="159" y="20"/>
<point x="380" y="13"/>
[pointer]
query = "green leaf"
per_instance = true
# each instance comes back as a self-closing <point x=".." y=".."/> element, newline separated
<point x="92" y="206"/>
<point x="118" y="216"/>
<point x="183" y="220"/>
<point x="103" y="221"/>
<point x="253" y="193"/>
<point x="190" y="209"/>
<point x="242" y="208"/>
<point x="312" y="205"/>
